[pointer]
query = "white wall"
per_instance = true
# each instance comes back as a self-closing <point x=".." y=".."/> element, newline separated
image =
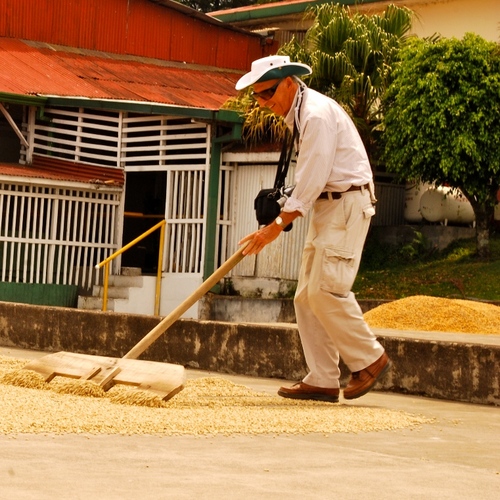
<point x="454" y="18"/>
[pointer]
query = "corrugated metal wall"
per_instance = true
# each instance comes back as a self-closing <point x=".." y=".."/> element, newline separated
<point x="85" y="24"/>
<point x="134" y="27"/>
<point x="390" y="204"/>
<point x="281" y="259"/>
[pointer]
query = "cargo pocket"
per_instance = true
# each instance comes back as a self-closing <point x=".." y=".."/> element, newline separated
<point x="369" y="211"/>
<point x="339" y="271"/>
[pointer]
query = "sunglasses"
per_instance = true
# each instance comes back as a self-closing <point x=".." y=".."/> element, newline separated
<point x="267" y="94"/>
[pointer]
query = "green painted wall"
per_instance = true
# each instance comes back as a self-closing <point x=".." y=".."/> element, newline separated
<point x="39" y="294"/>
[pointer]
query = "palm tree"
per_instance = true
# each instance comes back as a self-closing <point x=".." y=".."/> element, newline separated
<point x="259" y="124"/>
<point x="352" y="56"/>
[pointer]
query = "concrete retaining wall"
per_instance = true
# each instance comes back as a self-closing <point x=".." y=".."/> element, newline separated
<point x="239" y="309"/>
<point x="447" y="366"/>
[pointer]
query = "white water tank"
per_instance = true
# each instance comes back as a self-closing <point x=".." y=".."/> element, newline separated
<point x="413" y="193"/>
<point x="445" y="204"/>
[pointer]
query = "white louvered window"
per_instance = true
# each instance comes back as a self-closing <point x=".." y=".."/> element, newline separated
<point x="83" y="136"/>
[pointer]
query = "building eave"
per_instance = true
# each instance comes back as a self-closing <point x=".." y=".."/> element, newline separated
<point x="246" y="16"/>
<point x="152" y="108"/>
<point x="264" y="11"/>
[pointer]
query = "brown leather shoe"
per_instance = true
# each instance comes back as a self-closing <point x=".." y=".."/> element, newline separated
<point x="363" y="381"/>
<point x="302" y="390"/>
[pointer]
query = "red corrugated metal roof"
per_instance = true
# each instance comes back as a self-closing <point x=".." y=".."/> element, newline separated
<point x="162" y="29"/>
<point x="61" y="170"/>
<point x="30" y="68"/>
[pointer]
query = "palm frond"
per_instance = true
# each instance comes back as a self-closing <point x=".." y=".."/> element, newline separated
<point x="352" y="56"/>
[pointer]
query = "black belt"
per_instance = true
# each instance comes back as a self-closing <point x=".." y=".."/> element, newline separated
<point x="335" y="195"/>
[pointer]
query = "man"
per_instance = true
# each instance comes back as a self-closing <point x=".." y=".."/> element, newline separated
<point x="333" y="178"/>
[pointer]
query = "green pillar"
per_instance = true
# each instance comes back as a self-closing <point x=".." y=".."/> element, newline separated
<point x="212" y="203"/>
<point x="234" y="121"/>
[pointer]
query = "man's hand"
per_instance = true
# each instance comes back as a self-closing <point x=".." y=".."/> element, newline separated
<point x="259" y="239"/>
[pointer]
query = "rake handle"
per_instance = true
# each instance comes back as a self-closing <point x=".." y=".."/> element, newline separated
<point x="167" y="321"/>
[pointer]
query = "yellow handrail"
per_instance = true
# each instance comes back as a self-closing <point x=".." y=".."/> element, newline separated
<point x="105" y="263"/>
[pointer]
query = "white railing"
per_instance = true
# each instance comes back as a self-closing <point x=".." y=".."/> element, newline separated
<point x="55" y="234"/>
<point x="225" y="211"/>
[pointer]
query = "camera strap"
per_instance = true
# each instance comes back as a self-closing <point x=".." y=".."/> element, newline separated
<point x="285" y="157"/>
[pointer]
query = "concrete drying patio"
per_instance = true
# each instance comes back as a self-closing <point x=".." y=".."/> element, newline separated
<point x="456" y="456"/>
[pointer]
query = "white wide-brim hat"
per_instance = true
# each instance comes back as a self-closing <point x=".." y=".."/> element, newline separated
<point x="272" y="68"/>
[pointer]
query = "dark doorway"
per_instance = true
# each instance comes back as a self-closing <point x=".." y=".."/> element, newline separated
<point x="9" y="142"/>
<point x="144" y="207"/>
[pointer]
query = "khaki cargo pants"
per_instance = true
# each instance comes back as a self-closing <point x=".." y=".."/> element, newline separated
<point x="329" y="318"/>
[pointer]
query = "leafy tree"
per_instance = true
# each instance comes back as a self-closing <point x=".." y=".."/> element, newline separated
<point x="442" y="121"/>
<point x="352" y="56"/>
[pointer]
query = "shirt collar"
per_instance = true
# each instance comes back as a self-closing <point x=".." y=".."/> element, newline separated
<point x="294" y="112"/>
<point x="290" y="117"/>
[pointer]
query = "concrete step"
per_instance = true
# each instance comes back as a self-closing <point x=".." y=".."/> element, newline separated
<point x="89" y="303"/>
<point x="113" y="292"/>
<point x="131" y="271"/>
<point x="118" y="290"/>
<point x="125" y="281"/>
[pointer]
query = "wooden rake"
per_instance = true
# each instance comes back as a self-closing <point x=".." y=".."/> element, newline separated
<point x="163" y="379"/>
